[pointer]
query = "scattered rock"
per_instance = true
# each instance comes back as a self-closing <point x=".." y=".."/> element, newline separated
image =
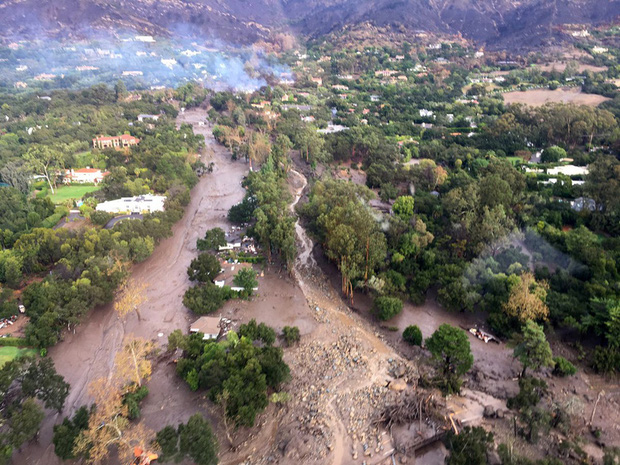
<point x="493" y="458"/>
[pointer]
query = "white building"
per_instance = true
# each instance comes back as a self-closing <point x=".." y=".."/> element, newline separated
<point x="148" y="203"/>
<point x="143" y="116"/>
<point x="84" y="175"/>
<point x="332" y="128"/>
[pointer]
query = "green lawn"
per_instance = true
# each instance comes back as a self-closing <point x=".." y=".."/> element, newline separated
<point x="515" y="160"/>
<point x="9" y="353"/>
<point x="64" y="193"/>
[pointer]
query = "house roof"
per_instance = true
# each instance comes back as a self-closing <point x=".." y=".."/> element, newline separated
<point x="88" y="170"/>
<point x="206" y="325"/>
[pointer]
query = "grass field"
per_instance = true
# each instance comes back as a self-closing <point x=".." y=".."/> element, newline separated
<point x="71" y="192"/>
<point x="9" y="353"/>
<point x="515" y="160"/>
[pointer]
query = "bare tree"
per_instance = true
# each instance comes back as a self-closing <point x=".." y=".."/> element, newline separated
<point x="132" y="296"/>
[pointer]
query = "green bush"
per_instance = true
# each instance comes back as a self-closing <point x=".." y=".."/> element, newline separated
<point x="132" y="400"/>
<point x="563" y="367"/>
<point x="291" y="335"/>
<point x="387" y="307"/>
<point x="413" y="335"/>
<point x="606" y="360"/>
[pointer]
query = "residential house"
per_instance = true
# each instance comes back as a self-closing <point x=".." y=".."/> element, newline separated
<point x="209" y="326"/>
<point x="84" y="175"/>
<point x="117" y="142"/>
<point x="143" y="116"/>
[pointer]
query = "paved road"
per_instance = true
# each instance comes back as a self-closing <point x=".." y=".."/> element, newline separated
<point x="110" y="224"/>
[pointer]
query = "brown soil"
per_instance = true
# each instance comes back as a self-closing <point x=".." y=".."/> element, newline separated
<point x="538" y="97"/>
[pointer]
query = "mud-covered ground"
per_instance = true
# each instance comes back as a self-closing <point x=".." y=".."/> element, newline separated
<point x="340" y="370"/>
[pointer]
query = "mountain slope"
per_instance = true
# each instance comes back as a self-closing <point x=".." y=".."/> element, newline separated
<point x="496" y="23"/>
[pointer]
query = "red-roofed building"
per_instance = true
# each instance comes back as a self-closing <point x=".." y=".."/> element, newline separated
<point x="84" y="175"/>
<point x="118" y="142"/>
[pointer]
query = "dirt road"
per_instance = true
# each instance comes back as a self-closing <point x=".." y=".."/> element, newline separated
<point x="89" y="353"/>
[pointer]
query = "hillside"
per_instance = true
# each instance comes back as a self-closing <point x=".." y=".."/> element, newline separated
<point x="508" y="24"/>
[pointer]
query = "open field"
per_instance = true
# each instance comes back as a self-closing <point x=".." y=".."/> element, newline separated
<point x="9" y="353"/>
<point x="64" y="193"/>
<point x="561" y="66"/>
<point x="538" y="97"/>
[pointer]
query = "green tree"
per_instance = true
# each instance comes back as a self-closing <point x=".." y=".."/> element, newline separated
<point x="24" y="421"/>
<point x="533" y="351"/>
<point x="168" y="441"/>
<point x="196" y="440"/>
<point x="450" y="348"/>
<point x="413" y="335"/>
<point x="204" y="268"/>
<point x="552" y="154"/>
<point x="67" y="432"/>
<point x="246" y="278"/>
<point x="469" y="447"/>
<point x="214" y="238"/>
<point x="120" y="90"/>
<point x="404" y="207"/>
<point x="45" y="161"/>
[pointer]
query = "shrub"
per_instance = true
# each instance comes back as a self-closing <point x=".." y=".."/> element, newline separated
<point x="413" y="335"/>
<point x="563" y="367"/>
<point x="387" y="307"/>
<point x="606" y="360"/>
<point x="132" y="400"/>
<point x="13" y="342"/>
<point x="291" y="335"/>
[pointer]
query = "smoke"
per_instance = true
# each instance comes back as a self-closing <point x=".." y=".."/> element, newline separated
<point x="140" y="61"/>
<point x="517" y="252"/>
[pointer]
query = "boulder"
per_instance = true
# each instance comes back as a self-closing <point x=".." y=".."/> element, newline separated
<point x="489" y="411"/>
<point x="397" y="385"/>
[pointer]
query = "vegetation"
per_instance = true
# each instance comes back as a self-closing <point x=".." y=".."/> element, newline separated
<point x="236" y="373"/>
<point x="214" y="238"/>
<point x="387" y="307"/>
<point x="450" y="348"/>
<point x="291" y="335"/>
<point x="27" y="386"/>
<point x="469" y="447"/>
<point x="534" y="351"/>
<point x="413" y="335"/>
<point x="193" y="440"/>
